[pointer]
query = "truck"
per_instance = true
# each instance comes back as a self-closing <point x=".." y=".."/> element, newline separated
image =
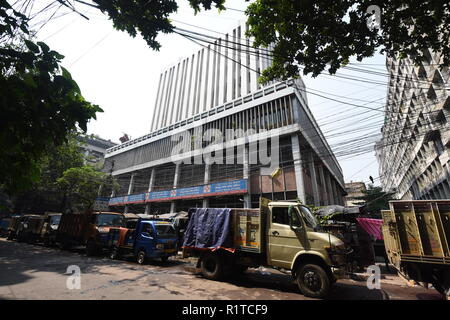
<point x="4" y="225"/>
<point x="88" y="229"/>
<point x="25" y="227"/>
<point x="416" y="235"/>
<point x="282" y="235"/>
<point x="47" y="233"/>
<point x="150" y="239"/>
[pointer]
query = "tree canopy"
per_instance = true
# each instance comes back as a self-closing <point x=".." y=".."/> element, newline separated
<point x="375" y="200"/>
<point x="40" y="103"/>
<point x="323" y="35"/>
<point x="81" y="185"/>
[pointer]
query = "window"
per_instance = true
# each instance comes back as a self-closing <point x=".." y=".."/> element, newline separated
<point x="147" y="228"/>
<point x="165" y="231"/>
<point x="310" y="219"/>
<point x="280" y="215"/>
<point x="113" y="220"/>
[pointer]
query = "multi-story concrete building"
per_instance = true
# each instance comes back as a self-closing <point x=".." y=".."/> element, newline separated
<point x="94" y="148"/>
<point x="354" y="190"/>
<point x="413" y="154"/>
<point x="210" y="103"/>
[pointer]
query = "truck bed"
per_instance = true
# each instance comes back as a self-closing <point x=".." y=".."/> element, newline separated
<point x="417" y="231"/>
<point x="240" y="229"/>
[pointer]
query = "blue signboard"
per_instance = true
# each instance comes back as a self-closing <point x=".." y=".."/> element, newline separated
<point x="116" y="201"/>
<point x="136" y="198"/>
<point x="209" y="190"/>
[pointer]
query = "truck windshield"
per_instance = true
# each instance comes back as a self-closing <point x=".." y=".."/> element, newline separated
<point x="54" y="220"/>
<point x="310" y="219"/>
<point x="113" y="220"/>
<point x="165" y="231"/>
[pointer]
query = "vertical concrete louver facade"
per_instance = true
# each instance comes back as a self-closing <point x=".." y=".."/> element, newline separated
<point x="214" y="75"/>
<point x="216" y="90"/>
<point x="413" y="154"/>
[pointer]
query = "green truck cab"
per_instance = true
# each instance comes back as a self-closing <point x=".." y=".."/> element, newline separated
<point x="281" y="235"/>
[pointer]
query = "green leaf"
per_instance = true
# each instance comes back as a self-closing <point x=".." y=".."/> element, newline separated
<point x="45" y="48"/>
<point x="32" y="46"/>
<point x="29" y="81"/>
<point x="66" y="74"/>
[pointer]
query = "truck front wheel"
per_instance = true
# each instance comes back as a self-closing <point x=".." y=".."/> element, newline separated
<point x="212" y="267"/>
<point x="115" y="253"/>
<point x="313" y="281"/>
<point x="141" y="257"/>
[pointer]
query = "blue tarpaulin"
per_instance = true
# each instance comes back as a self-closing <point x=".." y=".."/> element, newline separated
<point x="208" y="228"/>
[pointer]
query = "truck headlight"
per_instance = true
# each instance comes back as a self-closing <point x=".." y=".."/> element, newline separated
<point x="103" y="230"/>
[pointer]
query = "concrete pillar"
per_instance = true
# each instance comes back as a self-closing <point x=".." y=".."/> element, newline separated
<point x="173" y="204"/>
<point x="150" y="188"/>
<point x="298" y="167"/>
<point x="446" y="189"/>
<point x="447" y="174"/>
<point x="113" y="193"/>
<point x="246" y="175"/>
<point x="441" y="191"/>
<point x="315" y="187"/>
<point x="335" y="197"/>
<point x="323" y="196"/>
<point x="432" y="195"/>
<point x="130" y="190"/>
<point x="206" y="181"/>
<point x="329" y="188"/>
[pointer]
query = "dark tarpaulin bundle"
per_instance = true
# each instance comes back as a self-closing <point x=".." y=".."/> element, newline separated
<point x="208" y="228"/>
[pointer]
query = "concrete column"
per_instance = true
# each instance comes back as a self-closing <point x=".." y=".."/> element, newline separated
<point x="329" y="188"/>
<point x="246" y="175"/>
<point x="173" y="204"/>
<point x="447" y="174"/>
<point x="298" y="167"/>
<point x="206" y="181"/>
<point x="130" y="190"/>
<point x="335" y="197"/>
<point x="432" y="195"/>
<point x="113" y="193"/>
<point x="324" y="197"/>
<point x="441" y="191"/>
<point x="150" y="188"/>
<point x="315" y="187"/>
<point x="446" y="189"/>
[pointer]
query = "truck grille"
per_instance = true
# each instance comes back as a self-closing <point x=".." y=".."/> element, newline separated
<point x="169" y="245"/>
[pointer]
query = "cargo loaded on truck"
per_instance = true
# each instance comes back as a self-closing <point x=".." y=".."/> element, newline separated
<point x="282" y="235"/>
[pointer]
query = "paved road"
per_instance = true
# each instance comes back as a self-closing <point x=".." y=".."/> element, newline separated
<point x="36" y="272"/>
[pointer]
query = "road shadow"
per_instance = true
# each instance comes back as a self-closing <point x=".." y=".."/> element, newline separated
<point x="284" y="283"/>
<point x="18" y="262"/>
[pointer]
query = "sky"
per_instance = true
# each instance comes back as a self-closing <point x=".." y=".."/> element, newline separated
<point x="121" y="74"/>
